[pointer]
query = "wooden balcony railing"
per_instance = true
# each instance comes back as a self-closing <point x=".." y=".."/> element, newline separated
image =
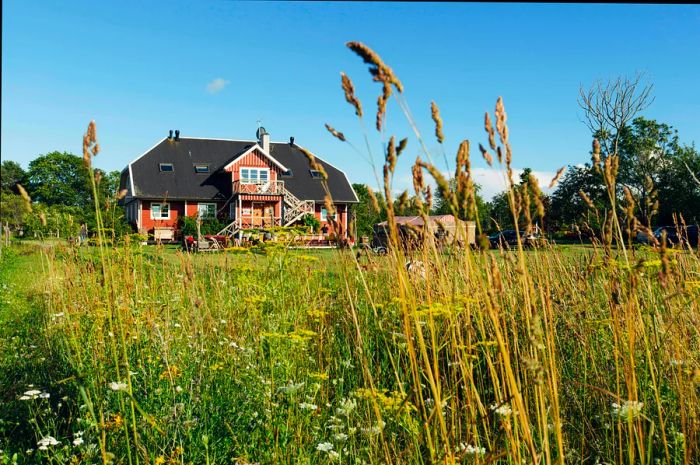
<point x="250" y="222"/>
<point x="258" y="188"/>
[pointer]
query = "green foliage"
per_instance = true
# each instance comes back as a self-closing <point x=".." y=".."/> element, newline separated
<point x="59" y="179"/>
<point x="365" y="214"/>
<point x="209" y="225"/>
<point x="567" y="206"/>
<point x="311" y="222"/>
<point x="13" y="209"/>
<point x="11" y="173"/>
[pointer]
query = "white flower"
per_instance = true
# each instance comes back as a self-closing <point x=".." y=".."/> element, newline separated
<point x="178" y="389"/>
<point x="44" y="395"/>
<point x="629" y="409"/>
<point x="333" y="455"/>
<point x="33" y="393"/>
<point x="307" y="406"/>
<point x="324" y="447"/>
<point x="78" y="441"/>
<point x="47" y="441"/>
<point x="118" y="386"/>
<point x="25" y="398"/>
<point x="340" y="437"/>
<point x="177" y="325"/>
<point x="470" y="450"/>
<point x="346" y="407"/>
<point x="503" y="410"/>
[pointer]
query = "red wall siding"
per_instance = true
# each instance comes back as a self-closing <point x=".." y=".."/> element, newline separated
<point x="341" y="210"/>
<point x="253" y="159"/>
<point x="177" y="209"/>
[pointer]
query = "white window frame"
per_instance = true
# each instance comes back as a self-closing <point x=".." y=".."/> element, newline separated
<point x="160" y="167"/>
<point x="161" y="217"/>
<point x="257" y="170"/>
<point x="201" y="165"/>
<point x="324" y="214"/>
<point x="206" y="204"/>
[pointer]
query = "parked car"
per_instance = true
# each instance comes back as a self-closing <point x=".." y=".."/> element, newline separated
<point x="674" y="237"/>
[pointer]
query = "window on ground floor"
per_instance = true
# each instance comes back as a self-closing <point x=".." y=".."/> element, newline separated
<point x="325" y="216"/>
<point x="206" y="210"/>
<point x="160" y="211"/>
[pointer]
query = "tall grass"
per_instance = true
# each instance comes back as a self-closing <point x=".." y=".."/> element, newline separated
<point x="587" y="355"/>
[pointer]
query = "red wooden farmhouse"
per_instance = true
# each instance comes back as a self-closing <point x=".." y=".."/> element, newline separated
<point x="251" y="184"/>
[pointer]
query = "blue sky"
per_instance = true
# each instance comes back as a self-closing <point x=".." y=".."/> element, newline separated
<point x="213" y="69"/>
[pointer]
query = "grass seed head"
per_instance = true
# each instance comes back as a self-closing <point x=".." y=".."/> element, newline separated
<point x="350" y="97"/>
<point x="378" y="69"/>
<point x="25" y="196"/>
<point x="337" y="134"/>
<point x="556" y="177"/>
<point x="435" y="114"/>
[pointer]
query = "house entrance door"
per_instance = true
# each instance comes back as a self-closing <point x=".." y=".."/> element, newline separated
<point x="258" y="214"/>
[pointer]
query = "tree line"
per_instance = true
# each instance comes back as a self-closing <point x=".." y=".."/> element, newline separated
<point x="660" y="172"/>
<point x="60" y="193"/>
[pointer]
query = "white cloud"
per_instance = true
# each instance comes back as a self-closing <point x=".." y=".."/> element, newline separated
<point x="217" y="85"/>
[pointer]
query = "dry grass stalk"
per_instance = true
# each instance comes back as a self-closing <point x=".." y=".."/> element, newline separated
<point x="25" y="196"/>
<point x="435" y="114"/>
<point x="315" y="165"/>
<point x="381" y="105"/>
<point x="487" y="156"/>
<point x="391" y="156"/>
<point x="337" y="134"/>
<point x="586" y="199"/>
<point x="402" y="146"/>
<point x="373" y="199"/>
<point x="418" y="180"/>
<point x="90" y="146"/>
<point x="121" y="194"/>
<point x="349" y="90"/>
<point x="378" y="69"/>
<point x="488" y="127"/>
<point x="556" y="177"/>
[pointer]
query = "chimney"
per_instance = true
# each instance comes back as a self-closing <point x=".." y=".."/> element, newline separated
<point x="177" y="134"/>
<point x="170" y="134"/>
<point x="291" y="140"/>
<point x="264" y="139"/>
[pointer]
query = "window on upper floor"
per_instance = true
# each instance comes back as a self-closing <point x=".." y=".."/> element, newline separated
<point x="201" y="168"/>
<point x="255" y="175"/>
<point x="315" y="174"/>
<point x="166" y="167"/>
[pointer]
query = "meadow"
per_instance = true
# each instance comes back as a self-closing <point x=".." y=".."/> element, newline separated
<point x="126" y="354"/>
<point x="285" y="356"/>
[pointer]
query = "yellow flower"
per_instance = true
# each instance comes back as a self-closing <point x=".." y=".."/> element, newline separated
<point x="160" y="460"/>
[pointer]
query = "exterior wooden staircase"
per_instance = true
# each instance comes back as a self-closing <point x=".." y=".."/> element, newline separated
<point x="294" y="210"/>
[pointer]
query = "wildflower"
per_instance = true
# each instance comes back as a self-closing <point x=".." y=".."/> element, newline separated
<point x="468" y="449"/>
<point x="160" y="460"/>
<point x="78" y="441"/>
<point x="118" y="386"/>
<point x="47" y="441"/>
<point x="629" y="410"/>
<point x="340" y="437"/>
<point x="324" y="447"/>
<point x="333" y="455"/>
<point x="503" y="410"/>
<point x="177" y="325"/>
<point x="33" y="393"/>
<point x="178" y="389"/>
<point x="346" y="407"/>
<point x="307" y="406"/>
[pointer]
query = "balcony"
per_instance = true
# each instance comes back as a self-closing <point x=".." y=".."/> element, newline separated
<point x="258" y="187"/>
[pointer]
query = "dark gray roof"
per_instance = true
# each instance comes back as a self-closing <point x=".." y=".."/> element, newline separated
<point x="184" y="183"/>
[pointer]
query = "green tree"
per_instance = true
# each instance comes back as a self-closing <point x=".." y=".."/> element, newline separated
<point x="11" y="173"/>
<point x="59" y="179"/>
<point x="365" y="215"/>
<point x="567" y="207"/>
<point x="646" y="150"/>
<point x="13" y="209"/>
<point x="679" y="187"/>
